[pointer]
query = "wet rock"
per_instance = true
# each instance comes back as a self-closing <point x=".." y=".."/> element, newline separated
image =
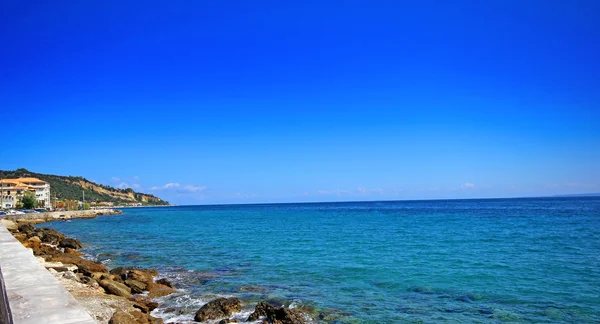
<point x="218" y="308"/>
<point x="115" y="288"/>
<point x="137" y="287"/>
<point x="70" y="243"/>
<point x="276" y="315"/>
<point x="165" y="281"/>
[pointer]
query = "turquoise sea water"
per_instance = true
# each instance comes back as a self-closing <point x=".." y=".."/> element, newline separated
<point x="487" y="261"/>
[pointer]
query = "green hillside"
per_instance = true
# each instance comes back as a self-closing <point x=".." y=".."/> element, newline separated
<point x="72" y="188"/>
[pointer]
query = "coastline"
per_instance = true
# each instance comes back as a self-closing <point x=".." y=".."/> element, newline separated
<point x="126" y="295"/>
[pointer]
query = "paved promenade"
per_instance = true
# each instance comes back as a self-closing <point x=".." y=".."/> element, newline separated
<point x="34" y="295"/>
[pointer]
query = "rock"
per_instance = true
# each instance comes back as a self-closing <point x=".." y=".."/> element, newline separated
<point x="156" y="290"/>
<point x="34" y="241"/>
<point x="137" y="287"/>
<point x="218" y="308"/>
<point x="49" y="235"/>
<point x="106" y="276"/>
<point x="73" y="252"/>
<point x="10" y="225"/>
<point x="70" y="243"/>
<point x="165" y="281"/>
<point x="120" y="271"/>
<point x="70" y="275"/>
<point x="228" y="320"/>
<point x="89" y="281"/>
<point x="60" y="267"/>
<point x="143" y="303"/>
<point x="146" y="276"/>
<point x="120" y="317"/>
<point x="83" y="264"/>
<point x="276" y="315"/>
<point x="115" y="288"/>
<point x="26" y="228"/>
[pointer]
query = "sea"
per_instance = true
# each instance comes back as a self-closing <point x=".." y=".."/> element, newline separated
<point x="530" y="260"/>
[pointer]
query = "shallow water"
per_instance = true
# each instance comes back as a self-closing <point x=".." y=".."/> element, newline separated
<point x="500" y="260"/>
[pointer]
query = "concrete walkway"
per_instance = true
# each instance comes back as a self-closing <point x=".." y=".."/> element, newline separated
<point x="34" y="295"/>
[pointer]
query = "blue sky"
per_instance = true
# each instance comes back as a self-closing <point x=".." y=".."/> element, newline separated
<point x="268" y="101"/>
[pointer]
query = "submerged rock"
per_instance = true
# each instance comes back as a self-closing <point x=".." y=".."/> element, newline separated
<point x="218" y="308"/>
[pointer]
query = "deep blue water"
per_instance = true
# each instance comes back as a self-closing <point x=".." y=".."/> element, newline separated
<point x="488" y="261"/>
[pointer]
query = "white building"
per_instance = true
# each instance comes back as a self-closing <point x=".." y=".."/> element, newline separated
<point x="11" y="191"/>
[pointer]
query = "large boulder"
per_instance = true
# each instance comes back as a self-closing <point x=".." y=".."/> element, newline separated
<point x="26" y="228"/>
<point x="70" y="243"/>
<point x="137" y="287"/>
<point x="156" y="290"/>
<point x="85" y="266"/>
<point x="218" y="308"/>
<point x="115" y="288"/>
<point x="49" y="235"/>
<point x="143" y="275"/>
<point x="276" y="315"/>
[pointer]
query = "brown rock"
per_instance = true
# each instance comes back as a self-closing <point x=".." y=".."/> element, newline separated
<point x="73" y="252"/>
<point x="218" y="308"/>
<point x="143" y="303"/>
<point x="34" y="241"/>
<point x="146" y="276"/>
<point x="82" y="264"/>
<point x="120" y="271"/>
<point x="121" y="317"/>
<point x="157" y="290"/>
<point x="165" y="281"/>
<point x="137" y="287"/>
<point x="115" y="288"/>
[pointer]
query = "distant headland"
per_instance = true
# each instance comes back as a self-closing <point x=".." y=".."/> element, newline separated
<point x="69" y="192"/>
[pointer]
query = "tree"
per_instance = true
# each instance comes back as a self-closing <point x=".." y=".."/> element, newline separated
<point x="29" y="200"/>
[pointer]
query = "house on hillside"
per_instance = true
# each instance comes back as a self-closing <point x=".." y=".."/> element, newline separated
<point x="11" y="191"/>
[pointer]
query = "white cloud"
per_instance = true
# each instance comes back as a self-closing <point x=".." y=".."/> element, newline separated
<point x="115" y="179"/>
<point x="175" y="186"/>
<point x="468" y="185"/>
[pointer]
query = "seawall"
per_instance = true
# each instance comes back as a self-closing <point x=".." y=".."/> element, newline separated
<point x="34" y="295"/>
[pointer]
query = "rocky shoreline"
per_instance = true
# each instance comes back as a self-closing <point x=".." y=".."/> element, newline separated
<point x="127" y="295"/>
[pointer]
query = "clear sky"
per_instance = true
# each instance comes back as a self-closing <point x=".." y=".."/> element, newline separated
<point x="207" y="102"/>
